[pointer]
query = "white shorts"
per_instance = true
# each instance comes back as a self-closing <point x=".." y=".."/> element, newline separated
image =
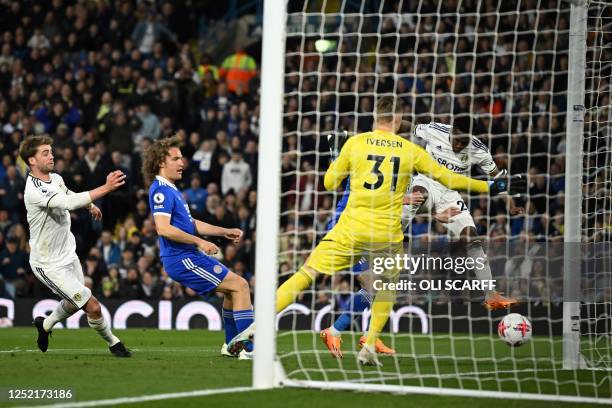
<point x="66" y="282"/>
<point x="441" y="198"/>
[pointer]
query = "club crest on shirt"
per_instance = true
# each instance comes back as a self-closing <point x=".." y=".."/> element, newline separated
<point x="159" y="198"/>
<point x="463" y="158"/>
<point x="77" y="297"/>
<point x="217" y="269"/>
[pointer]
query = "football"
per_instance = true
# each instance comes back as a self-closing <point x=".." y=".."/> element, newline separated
<point x="514" y="330"/>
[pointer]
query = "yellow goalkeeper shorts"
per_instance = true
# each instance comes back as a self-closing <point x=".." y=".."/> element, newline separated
<point x="331" y="255"/>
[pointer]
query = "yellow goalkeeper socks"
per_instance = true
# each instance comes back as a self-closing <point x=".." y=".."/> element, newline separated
<point x="287" y="292"/>
<point x="380" y="315"/>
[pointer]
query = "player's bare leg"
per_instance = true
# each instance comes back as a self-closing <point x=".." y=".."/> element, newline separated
<point x="473" y="249"/>
<point x="63" y="310"/>
<point x="236" y="287"/>
<point x="96" y="321"/>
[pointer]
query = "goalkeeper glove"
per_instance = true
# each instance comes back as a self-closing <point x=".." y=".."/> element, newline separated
<point x="508" y="184"/>
<point x="336" y="141"/>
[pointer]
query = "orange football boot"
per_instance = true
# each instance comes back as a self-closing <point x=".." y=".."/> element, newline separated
<point x="379" y="346"/>
<point x="497" y="301"/>
<point x="333" y="343"/>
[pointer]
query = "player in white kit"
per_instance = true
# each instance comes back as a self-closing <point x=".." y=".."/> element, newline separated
<point x="53" y="249"/>
<point x="454" y="148"/>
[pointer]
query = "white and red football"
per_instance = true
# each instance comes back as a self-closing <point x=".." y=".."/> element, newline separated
<point x="514" y="330"/>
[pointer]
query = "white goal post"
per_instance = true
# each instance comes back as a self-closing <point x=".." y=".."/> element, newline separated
<point x="458" y="353"/>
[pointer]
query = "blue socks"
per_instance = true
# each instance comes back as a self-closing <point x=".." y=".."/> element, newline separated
<point x="358" y="303"/>
<point x="230" y="325"/>
<point x="242" y="320"/>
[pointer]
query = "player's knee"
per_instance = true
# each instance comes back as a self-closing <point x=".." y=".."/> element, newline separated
<point x="469" y="236"/>
<point x="93" y="307"/>
<point x="238" y="283"/>
<point x="243" y="285"/>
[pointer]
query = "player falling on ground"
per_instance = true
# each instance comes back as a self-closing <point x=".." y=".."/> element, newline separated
<point x="53" y="249"/>
<point x="454" y="148"/>
<point x="362" y="299"/>
<point x="186" y="256"/>
<point x="379" y="164"/>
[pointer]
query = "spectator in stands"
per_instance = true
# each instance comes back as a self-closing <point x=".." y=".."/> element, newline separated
<point x="236" y="174"/>
<point x="13" y="264"/>
<point x="237" y="70"/>
<point x="196" y="197"/>
<point x="150" y="122"/>
<point x="111" y="253"/>
<point x="11" y="192"/>
<point x="92" y="169"/>
<point x="206" y="67"/>
<point x="148" y="31"/>
<point x="150" y="288"/>
<point x="129" y="287"/>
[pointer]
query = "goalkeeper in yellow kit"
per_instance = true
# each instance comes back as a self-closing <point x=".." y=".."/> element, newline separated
<point x="380" y="165"/>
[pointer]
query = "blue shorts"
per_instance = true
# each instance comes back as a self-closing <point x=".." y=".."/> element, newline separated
<point x="200" y="272"/>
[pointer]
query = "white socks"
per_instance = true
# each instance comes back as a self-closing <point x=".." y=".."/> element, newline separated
<point x="474" y="250"/>
<point x="103" y="330"/>
<point x="63" y="311"/>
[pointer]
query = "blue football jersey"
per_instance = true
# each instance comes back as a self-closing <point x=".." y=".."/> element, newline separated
<point x="361" y="265"/>
<point x="166" y="200"/>
<point x="341" y="205"/>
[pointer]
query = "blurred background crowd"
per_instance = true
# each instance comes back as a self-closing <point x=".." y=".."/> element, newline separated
<point x="107" y="78"/>
<point x="505" y="64"/>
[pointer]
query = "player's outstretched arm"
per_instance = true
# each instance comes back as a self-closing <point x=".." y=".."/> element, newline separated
<point x="204" y="228"/>
<point x="168" y="231"/>
<point x="424" y="164"/>
<point x="71" y="202"/>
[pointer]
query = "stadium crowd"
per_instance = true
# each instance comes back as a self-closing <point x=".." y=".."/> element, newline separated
<point x="105" y="79"/>
<point x="503" y="63"/>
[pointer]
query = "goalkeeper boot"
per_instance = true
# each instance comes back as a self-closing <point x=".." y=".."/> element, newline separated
<point x="43" y="336"/>
<point x="236" y="345"/>
<point x="496" y="301"/>
<point x="367" y="356"/>
<point x="379" y="346"/>
<point x="333" y="343"/>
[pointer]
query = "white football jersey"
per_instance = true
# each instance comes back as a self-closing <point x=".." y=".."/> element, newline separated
<point x="438" y="145"/>
<point x="51" y="242"/>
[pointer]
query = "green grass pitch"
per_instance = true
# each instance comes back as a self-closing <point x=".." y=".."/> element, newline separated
<point x="177" y="361"/>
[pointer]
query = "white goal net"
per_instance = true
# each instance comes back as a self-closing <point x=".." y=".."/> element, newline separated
<point x="596" y="309"/>
<point x="506" y="63"/>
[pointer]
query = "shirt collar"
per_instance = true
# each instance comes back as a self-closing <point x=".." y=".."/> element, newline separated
<point x="162" y="179"/>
